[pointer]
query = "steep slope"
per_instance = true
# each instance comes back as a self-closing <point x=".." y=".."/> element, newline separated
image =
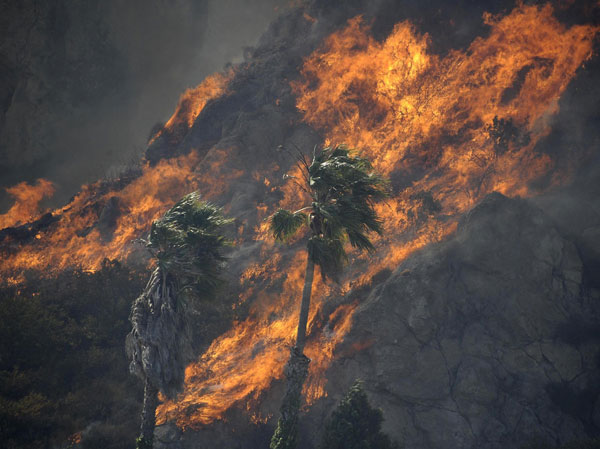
<point x="486" y="340"/>
<point x="450" y="117"/>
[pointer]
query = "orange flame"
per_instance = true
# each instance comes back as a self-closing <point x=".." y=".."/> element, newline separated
<point x="77" y="239"/>
<point x="193" y="101"/>
<point x="27" y="199"/>
<point x="243" y="363"/>
<point x="406" y="108"/>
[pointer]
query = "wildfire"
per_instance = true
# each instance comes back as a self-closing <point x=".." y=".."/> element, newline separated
<point x="77" y="240"/>
<point x="447" y="130"/>
<point x="88" y="231"/>
<point x="408" y="109"/>
<point x="27" y="199"/>
<point x="193" y="101"/>
<point x="243" y="363"/>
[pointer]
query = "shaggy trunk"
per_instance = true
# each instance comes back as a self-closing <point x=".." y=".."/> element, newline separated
<point x="148" y="416"/>
<point x="158" y="346"/>
<point x="296" y="370"/>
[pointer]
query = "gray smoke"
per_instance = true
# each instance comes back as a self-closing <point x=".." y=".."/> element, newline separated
<point x="82" y="83"/>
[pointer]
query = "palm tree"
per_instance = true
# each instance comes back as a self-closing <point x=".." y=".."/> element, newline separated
<point x="342" y="187"/>
<point x="187" y="245"/>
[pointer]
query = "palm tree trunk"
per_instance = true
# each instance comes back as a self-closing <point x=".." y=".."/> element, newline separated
<point x="304" y="306"/>
<point x="148" y="416"/>
<point x="296" y="371"/>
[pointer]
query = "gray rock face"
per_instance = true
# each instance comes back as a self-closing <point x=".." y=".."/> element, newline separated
<point x="472" y="346"/>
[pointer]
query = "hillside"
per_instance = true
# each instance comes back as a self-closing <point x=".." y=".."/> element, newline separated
<point x="475" y="322"/>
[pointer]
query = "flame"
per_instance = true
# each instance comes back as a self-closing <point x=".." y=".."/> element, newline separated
<point x="243" y="362"/>
<point x="193" y="101"/>
<point x="75" y="439"/>
<point x="407" y="109"/>
<point x="77" y="239"/>
<point x="427" y="121"/>
<point x="27" y="199"/>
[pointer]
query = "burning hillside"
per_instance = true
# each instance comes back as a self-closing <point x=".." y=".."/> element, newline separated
<point x="411" y="112"/>
<point x="447" y="129"/>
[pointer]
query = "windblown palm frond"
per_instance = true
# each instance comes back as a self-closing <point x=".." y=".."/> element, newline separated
<point x="188" y="244"/>
<point x="285" y="224"/>
<point x="344" y="188"/>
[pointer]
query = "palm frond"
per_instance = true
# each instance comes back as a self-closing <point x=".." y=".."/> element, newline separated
<point x="328" y="254"/>
<point x="284" y="224"/>
<point x="344" y="188"/>
<point x="360" y="241"/>
<point x="188" y="243"/>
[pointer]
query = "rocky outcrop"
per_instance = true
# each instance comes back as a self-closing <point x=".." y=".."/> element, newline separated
<point x="488" y="340"/>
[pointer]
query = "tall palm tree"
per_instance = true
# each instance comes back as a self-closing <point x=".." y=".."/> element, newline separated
<point x="187" y="243"/>
<point x="342" y="187"/>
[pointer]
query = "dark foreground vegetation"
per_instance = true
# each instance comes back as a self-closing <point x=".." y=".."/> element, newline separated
<point x="63" y="369"/>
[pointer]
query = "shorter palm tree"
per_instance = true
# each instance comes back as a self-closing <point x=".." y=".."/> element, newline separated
<point x="188" y="244"/>
<point x="342" y="187"/>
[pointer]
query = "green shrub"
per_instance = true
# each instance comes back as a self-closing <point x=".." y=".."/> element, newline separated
<point x="354" y="424"/>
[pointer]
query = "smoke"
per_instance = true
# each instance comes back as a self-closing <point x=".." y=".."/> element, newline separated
<point x="83" y="83"/>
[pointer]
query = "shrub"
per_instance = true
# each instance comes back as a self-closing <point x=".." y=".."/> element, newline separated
<point x="354" y="424"/>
